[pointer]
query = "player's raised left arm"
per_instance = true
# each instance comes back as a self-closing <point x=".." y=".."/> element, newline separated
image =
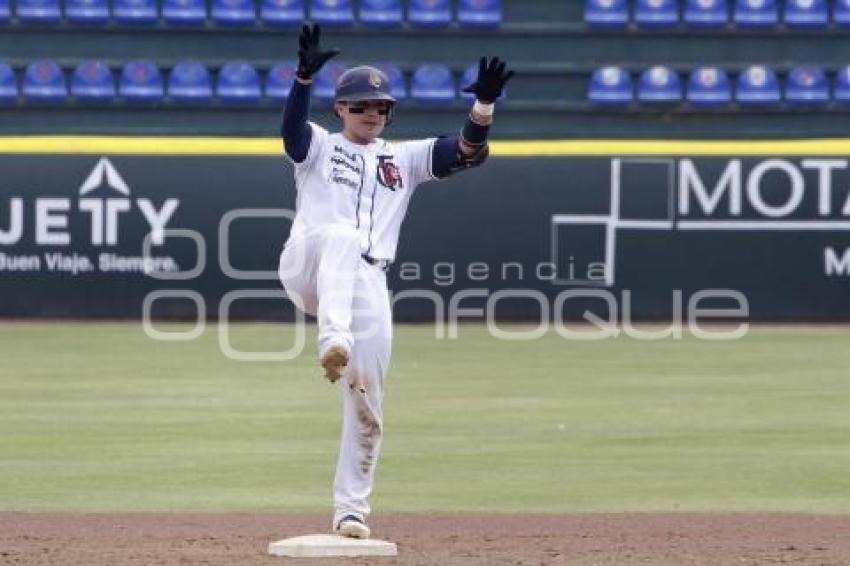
<point x="470" y="148"/>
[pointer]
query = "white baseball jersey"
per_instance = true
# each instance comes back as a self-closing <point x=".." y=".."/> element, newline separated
<point x="367" y="187"/>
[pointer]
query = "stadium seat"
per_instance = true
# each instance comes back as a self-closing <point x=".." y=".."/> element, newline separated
<point x="44" y="81"/>
<point x="429" y="13"/>
<point x="657" y="13"/>
<point x="87" y="12"/>
<point x="433" y="84"/>
<point x="709" y="86"/>
<point x="141" y="82"/>
<point x="233" y="13"/>
<point x="841" y="92"/>
<point x="606" y="13"/>
<point x="807" y="85"/>
<point x="756" y="13"/>
<point x="5" y="12"/>
<point x="8" y="84"/>
<point x="758" y="85"/>
<point x="479" y="13"/>
<point x="659" y="84"/>
<point x="398" y="86"/>
<point x="470" y="74"/>
<point x="92" y="81"/>
<point x="238" y="83"/>
<point x="190" y="13"/>
<point x="325" y="83"/>
<point x="190" y="83"/>
<point x="282" y="13"/>
<point x="610" y="86"/>
<point x="43" y="12"/>
<point x="380" y="13"/>
<point x="135" y="12"/>
<point x="332" y="13"/>
<point x="707" y="13"/>
<point x="841" y="14"/>
<point x="806" y="14"/>
<point x="279" y="81"/>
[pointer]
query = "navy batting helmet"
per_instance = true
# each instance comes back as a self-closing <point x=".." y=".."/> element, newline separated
<point x="363" y="83"/>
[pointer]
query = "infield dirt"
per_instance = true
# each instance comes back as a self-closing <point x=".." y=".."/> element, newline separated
<point x="610" y="539"/>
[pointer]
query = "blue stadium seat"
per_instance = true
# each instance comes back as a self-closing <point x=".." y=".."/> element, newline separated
<point x="282" y="13"/>
<point x="44" y="12"/>
<point x="611" y="86"/>
<point x="44" y="81"/>
<point x="470" y="74"/>
<point x="92" y="81"/>
<point x="807" y="85"/>
<point x="606" y="13"/>
<point x="8" y="84"/>
<point x="234" y="13"/>
<point x="189" y="13"/>
<point x="709" y="86"/>
<point x="806" y="14"/>
<point x="325" y="83"/>
<point x="479" y="13"/>
<point x="380" y="13"/>
<point x="707" y="13"/>
<point x="429" y="13"/>
<point x="657" y="13"/>
<point x="332" y="13"/>
<point x="87" y="12"/>
<point x="398" y="85"/>
<point x="758" y="85"/>
<point x="279" y="81"/>
<point x="433" y="84"/>
<point x="659" y="84"/>
<point x="238" y="83"/>
<point x="135" y="12"/>
<point x="841" y="91"/>
<point x="5" y="11"/>
<point x="190" y="83"/>
<point x="141" y="82"/>
<point x="841" y="14"/>
<point x="756" y="13"/>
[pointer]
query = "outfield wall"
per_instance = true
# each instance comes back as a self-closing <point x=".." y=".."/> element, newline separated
<point x="639" y="226"/>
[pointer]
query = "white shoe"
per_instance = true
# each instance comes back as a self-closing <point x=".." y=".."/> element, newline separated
<point x="334" y="361"/>
<point x="351" y="526"/>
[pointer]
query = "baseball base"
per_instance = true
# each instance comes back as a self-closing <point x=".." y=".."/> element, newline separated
<point x="316" y="546"/>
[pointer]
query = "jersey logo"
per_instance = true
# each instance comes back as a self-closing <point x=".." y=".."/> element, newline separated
<point x="389" y="174"/>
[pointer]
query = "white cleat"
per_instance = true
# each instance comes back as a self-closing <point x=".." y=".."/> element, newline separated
<point x="334" y="361"/>
<point x="353" y="527"/>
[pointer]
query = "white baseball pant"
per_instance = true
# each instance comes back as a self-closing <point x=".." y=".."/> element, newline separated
<point x="325" y="276"/>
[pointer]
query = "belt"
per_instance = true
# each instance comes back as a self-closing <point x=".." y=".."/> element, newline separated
<point x="384" y="264"/>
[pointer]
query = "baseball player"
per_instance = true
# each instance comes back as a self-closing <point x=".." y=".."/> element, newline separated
<point x="353" y="189"/>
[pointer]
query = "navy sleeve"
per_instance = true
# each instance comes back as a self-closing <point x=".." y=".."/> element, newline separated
<point x="295" y="130"/>
<point x="444" y="156"/>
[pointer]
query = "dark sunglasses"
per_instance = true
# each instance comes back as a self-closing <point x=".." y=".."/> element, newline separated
<point x="383" y="108"/>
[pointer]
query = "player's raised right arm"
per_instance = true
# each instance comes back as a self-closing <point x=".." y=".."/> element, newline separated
<point x="295" y="130"/>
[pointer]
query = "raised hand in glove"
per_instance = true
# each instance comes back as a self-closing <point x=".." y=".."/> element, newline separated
<point x="310" y="57"/>
<point x="491" y="80"/>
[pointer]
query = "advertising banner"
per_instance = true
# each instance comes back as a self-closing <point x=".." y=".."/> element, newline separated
<point x="188" y="236"/>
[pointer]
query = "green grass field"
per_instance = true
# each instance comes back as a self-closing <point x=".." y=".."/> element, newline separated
<point x="98" y="417"/>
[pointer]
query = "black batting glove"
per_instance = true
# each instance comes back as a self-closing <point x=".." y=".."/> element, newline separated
<point x="491" y="80"/>
<point x="310" y="57"/>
